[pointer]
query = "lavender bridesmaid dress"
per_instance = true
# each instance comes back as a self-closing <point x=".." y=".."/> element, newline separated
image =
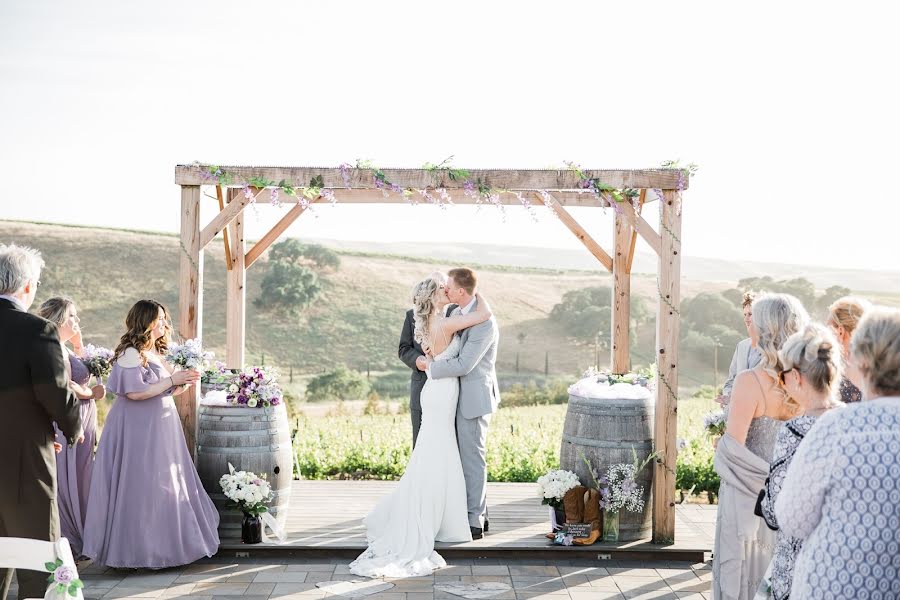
<point x="74" y="466"/>
<point x="148" y="508"/>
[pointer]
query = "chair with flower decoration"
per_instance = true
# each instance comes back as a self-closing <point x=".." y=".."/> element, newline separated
<point x="53" y="557"/>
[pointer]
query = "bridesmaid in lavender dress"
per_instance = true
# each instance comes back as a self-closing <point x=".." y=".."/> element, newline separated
<point x="148" y="508"/>
<point x="74" y="464"/>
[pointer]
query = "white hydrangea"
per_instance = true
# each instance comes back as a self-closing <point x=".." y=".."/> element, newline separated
<point x="555" y="484"/>
<point x="251" y="492"/>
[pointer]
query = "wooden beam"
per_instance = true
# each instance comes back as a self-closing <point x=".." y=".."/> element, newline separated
<point x="263" y="244"/>
<point x="225" y="232"/>
<point x="223" y="218"/>
<point x="236" y="291"/>
<point x="621" y="314"/>
<point x="507" y="179"/>
<point x="582" y="235"/>
<point x="190" y="301"/>
<point x="667" y="325"/>
<point x="643" y="227"/>
<point x="641" y="199"/>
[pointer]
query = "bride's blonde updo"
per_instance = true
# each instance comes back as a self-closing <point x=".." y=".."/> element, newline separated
<point x="423" y="307"/>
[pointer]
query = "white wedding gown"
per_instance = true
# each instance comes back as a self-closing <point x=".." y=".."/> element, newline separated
<point x="429" y="503"/>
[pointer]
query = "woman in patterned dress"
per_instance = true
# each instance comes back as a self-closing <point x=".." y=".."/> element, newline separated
<point x="841" y="494"/>
<point x="74" y="464"/>
<point x="811" y="364"/>
<point x="843" y="317"/>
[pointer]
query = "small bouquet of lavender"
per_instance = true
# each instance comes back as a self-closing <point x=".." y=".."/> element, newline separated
<point x="216" y="376"/>
<point x="98" y="360"/>
<point x="714" y="423"/>
<point x="189" y="355"/>
<point x="255" y="387"/>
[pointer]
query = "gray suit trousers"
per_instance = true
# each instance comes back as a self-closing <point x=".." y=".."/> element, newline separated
<point x="471" y="435"/>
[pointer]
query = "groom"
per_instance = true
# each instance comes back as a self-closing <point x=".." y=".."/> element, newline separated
<point x="479" y="394"/>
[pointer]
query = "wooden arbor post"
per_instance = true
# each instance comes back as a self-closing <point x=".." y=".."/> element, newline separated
<point x="190" y="300"/>
<point x="235" y="292"/>
<point x="667" y="327"/>
<point x="621" y="300"/>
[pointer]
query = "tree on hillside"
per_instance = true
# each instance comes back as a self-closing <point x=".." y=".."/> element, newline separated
<point x="294" y="251"/>
<point x="707" y="308"/>
<point x="826" y="299"/>
<point x="585" y="312"/>
<point x="800" y="287"/>
<point x="288" y="286"/>
<point x="338" y="385"/>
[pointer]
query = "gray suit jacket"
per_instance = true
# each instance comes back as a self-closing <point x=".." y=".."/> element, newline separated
<point x="479" y="393"/>
<point x="745" y="357"/>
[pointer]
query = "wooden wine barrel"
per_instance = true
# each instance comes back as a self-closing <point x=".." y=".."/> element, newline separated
<point x="605" y="431"/>
<point x="251" y="439"/>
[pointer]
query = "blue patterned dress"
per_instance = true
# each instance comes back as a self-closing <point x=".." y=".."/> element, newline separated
<point x="786" y="547"/>
<point x="841" y="497"/>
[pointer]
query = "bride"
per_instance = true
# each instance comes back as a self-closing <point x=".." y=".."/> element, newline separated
<point x="429" y="503"/>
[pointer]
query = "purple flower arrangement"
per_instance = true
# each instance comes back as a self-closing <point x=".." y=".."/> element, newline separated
<point x="98" y="360"/>
<point x="255" y="387"/>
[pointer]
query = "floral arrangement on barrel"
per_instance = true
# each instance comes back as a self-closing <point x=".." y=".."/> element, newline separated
<point x="216" y="377"/>
<point x="255" y="387"/>
<point x="249" y="493"/>
<point x="554" y="486"/>
<point x="602" y="383"/>
<point x="618" y="490"/>
<point x="63" y="579"/>
<point x="98" y="361"/>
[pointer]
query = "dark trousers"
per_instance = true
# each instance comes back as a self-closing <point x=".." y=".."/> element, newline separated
<point x="38" y="520"/>
<point x="416" y="416"/>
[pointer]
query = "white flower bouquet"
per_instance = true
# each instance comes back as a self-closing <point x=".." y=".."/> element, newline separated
<point x="555" y="484"/>
<point x="248" y="491"/>
<point x="189" y="355"/>
<point x="618" y="486"/>
<point x="714" y="423"/>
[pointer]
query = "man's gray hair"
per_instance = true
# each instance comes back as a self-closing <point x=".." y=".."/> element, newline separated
<point x="18" y="265"/>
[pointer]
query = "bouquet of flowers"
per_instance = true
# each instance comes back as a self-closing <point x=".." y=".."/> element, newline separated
<point x="189" y="355"/>
<point x="642" y="377"/>
<point x="254" y="387"/>
<point x="714" y="423"/>
<point x="555" y="484"/>
<point x="248" y="491"/>
<point x="618" y="487"/>
<point x="98" y="360"/>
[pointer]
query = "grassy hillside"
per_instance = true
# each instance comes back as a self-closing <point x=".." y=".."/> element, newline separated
<point x="357" y="320"/>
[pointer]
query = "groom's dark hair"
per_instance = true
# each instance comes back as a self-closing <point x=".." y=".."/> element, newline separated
<point x="464" y="278"/>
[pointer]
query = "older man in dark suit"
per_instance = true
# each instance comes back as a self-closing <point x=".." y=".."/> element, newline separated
<point x="34" y="392"/>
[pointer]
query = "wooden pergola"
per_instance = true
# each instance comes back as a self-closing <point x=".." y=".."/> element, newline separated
<point x="557" y="189"/>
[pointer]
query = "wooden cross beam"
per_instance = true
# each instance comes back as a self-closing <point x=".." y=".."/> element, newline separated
<point x="582" y="235"/>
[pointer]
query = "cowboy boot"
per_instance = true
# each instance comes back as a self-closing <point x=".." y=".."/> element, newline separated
<point x="573" y="503"/>
<point x="592" y="516"/>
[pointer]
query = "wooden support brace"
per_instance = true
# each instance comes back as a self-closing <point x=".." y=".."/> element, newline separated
<point x="225" y="231"/>
<point x="235" y="206"/>
<point x="582" y="235"/>
<point x="665" y="415"/>
<point x="263" y="244"/>
<point x="643" y="227"/>
<point x="641" y="199"/>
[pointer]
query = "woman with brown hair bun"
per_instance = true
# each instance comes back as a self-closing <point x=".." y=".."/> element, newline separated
<point x="148" y="508"/>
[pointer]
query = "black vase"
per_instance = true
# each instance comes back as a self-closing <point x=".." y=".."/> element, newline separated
<point x="251" y="529"/>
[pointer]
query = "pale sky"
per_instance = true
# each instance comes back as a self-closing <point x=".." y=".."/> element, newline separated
<point x="789" y="108"/>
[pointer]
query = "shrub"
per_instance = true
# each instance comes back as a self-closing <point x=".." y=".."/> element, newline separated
<point x="339" y="384"/>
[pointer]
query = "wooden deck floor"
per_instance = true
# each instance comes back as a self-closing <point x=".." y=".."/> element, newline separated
<point x="326" y="520"/>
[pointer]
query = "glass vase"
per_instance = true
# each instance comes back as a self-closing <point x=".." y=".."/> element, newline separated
<point x="251" y="529"/>
<point x="610" y="526"/>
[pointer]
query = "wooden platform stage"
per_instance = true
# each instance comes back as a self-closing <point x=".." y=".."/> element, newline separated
<point x="325" y="520"/>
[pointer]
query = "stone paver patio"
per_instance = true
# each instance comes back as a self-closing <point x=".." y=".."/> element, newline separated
<point x="258" y="579"/>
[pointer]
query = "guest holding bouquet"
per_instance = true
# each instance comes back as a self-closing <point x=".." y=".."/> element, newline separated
<point x="148" y="508"/>
<point x="74" y="463"/>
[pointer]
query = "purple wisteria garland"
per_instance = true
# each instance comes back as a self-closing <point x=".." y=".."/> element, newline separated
<point x="437" y="195"/>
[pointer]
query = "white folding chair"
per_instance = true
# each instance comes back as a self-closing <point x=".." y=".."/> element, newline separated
<point x="34" y="555"/>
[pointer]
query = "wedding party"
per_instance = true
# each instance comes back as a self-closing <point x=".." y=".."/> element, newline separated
<point x="265" y="336"/>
